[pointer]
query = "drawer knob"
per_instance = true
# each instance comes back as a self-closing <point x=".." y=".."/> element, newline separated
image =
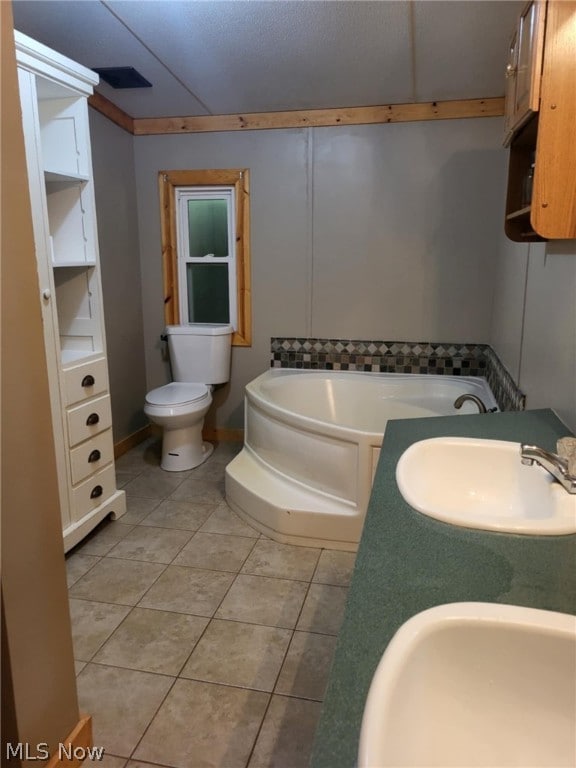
<point x="92" y="419"/>
<point x="88" y="381"/>
<point x="96" y="492"/>
<point x="94" y="456"/>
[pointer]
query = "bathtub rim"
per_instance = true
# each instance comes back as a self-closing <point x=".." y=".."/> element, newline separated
<point x="253" y="392"/>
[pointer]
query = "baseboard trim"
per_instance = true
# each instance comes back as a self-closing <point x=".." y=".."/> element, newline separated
<point x="76" y="745"/>
<point x="219" y="435"/>
<point x="132" y="441"/>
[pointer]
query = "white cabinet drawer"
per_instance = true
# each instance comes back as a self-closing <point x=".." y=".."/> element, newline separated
<point x="88" y="419"/>
<point x="91" y="456"/>
<point x="93" y="492"/>
<point x="86" y="380"/>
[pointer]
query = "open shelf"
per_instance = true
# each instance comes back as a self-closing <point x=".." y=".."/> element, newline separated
<point x="51" y="176"/>
<point x="518" y="225"/>
<point x="74" y="264"/>
<point x="522" y="213"/>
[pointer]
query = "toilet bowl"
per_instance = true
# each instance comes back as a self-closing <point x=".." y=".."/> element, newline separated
<point x="179" y="408"/>
<point x="199" y="352"/>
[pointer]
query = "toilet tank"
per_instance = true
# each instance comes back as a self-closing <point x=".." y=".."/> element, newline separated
<point x="200" y="352"/>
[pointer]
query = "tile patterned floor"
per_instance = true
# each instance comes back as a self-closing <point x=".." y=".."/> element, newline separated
<point x="198" y="642"/>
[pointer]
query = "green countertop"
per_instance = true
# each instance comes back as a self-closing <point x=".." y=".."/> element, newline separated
<point x="408" y="562"/>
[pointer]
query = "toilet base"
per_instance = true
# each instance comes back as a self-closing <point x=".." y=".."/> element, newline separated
<point x="184" y="449"/>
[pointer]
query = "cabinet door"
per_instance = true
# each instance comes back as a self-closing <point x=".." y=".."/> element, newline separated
<point x="510" y="100"/>
<point x="530" y="47"/>
<point x="526" y="69"/>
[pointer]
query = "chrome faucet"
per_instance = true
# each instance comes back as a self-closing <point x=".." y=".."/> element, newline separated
<point x="551" y="462"/>
<point x="459" y="402"/>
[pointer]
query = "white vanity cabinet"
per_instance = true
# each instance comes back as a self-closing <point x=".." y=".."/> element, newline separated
<point x="53" y="94"/>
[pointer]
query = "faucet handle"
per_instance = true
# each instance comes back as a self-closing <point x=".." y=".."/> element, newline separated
<point x="566" y="448"/>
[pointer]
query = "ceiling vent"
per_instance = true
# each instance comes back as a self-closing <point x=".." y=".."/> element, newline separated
<point x="122" y="77"/>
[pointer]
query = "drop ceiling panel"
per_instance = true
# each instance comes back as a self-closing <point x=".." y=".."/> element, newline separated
<point x="87" y="32"/>
<point x="461" y="47"/>
<point x="266" y="56"/>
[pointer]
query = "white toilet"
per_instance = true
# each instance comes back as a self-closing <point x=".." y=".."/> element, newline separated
<point x="200" y="358"/>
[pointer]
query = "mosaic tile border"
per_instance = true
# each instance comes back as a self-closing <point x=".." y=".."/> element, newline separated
<point x="400" y="357"/>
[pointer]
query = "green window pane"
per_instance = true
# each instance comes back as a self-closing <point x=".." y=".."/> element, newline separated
<point x="208" y="293"/>
<point x="208" y="227"/>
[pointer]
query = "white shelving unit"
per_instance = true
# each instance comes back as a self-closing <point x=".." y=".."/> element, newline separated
<point x="53" y="93"/>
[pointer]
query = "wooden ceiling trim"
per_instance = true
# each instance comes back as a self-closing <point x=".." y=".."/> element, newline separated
<point x="309" y="118"/>
<point x="111" y="111"/>
<point x="314" y="118"/>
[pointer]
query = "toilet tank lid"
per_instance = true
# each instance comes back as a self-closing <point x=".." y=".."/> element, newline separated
<point x="200" y="329"/>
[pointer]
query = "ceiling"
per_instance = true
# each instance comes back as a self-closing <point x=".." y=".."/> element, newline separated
<point x="216" y="57"/>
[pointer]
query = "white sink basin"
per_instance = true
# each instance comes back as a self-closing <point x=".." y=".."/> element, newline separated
<point x="483" y="484"/>
<point x="474" y="684"/>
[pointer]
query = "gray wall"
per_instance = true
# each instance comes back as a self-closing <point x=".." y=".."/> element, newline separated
<point x="380" y="232"/>
<point x="115" y="190"/>
<point x="534" y="322"/>
<point x="384" y="232"/>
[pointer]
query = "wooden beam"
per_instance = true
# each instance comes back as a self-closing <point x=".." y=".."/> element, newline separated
<point x="255" y="121"/>
<point x="111" y="111"/>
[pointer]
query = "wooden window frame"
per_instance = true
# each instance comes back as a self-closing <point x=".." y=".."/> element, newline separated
<point x="168" y="181"/>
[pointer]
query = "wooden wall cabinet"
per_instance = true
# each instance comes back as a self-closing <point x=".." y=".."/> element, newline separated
<point x="53" y="94"/>
<point x="541" y="124"/>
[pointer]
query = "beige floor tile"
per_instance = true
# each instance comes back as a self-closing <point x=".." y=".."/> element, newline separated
<point x="154" y="484"/>
<point x="307" y="666"/>
<point x="108" y="761"/>
<point x="138" y="764"/>
<point x="125" y="476"/>
<point x="117" y="581"/>
<point x="323" y="610"/>
<point x="137" y="509"/>
<point x="92" y="625"/>
<point x="153" y="641"/>
<point x="144" y="455"/>
<point x="226" y="451"/>
<point x="335" y="568"/>
<point x="233" y="653"/>
<point x="105" y="536"/>
<point x="223" y="520"/>
<point x="283" y="561"/>
<point x="155" y="545"/>
<point x="188" y="590"/>
<point x="185" y="515"/>
<point x="122" y="703"/>
<point x="199" y="491"/>
<point x="79" y="666"/>
<point x="287" y="734"/>
<point x="201" y="725"/>
<point x="216" y="551"/>
<point x="78" y="564"/>
<point x="211" y="470"/>
<point x="261" y="600"/>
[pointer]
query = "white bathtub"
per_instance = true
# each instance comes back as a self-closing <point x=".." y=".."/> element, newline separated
<point x="312" y="441"/>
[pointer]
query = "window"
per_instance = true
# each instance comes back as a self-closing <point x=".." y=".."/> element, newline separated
<point x="205" y="249"/>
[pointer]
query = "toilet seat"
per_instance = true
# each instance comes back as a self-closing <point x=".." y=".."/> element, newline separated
<point x="178" y="393"/>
